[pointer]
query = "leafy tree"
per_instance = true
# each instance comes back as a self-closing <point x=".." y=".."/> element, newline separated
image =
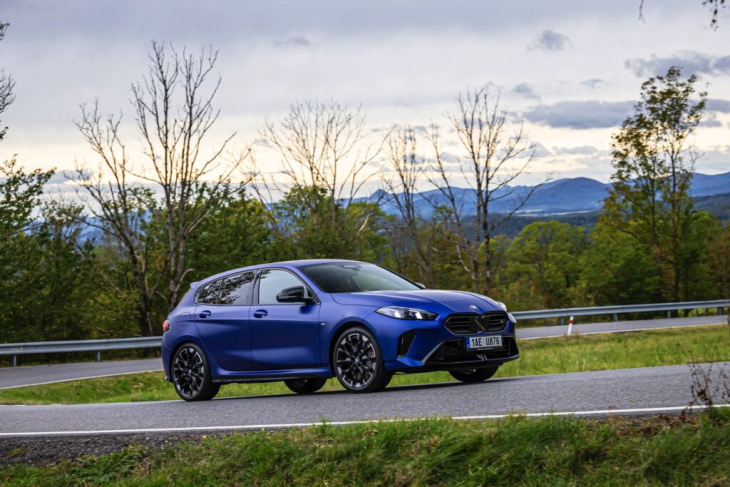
<point x="547" y="259"/>
<point x="44" y="266"/>
<point x="617" y="271"/>
<point x="235" y="234"/>
<point x="653" y="161"/>
<point x="304" y="232"/>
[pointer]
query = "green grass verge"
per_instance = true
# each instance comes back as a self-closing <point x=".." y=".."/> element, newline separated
<point x="546" y="451"/>
<point x="544" y="356"/>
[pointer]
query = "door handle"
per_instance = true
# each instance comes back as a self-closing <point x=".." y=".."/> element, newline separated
<point x="260" y="313"/>
<point x="204" y="314"/>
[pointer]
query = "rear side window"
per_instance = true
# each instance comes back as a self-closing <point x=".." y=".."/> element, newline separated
<point x="209" y="293"/>
<point x="236" y="290"/>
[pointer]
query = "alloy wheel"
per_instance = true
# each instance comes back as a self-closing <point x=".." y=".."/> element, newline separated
<point x="356" y="360"/>
<point x="188" y="372"/>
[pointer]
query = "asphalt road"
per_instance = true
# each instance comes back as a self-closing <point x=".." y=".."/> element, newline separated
<point x="22" y="376"/>
<point x="626" y="391"/>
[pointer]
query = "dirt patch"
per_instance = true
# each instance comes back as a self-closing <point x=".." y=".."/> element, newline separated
<point x="51" y="450"/>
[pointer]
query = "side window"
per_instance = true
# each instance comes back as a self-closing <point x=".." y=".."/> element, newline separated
<point x="208" y="294"/>
<point x="236" y="290"/>
<point x="272" y="282"/>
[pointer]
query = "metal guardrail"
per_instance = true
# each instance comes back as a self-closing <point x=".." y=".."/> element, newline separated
<point x="97" y="346"/>
<point x="617" y="310"/>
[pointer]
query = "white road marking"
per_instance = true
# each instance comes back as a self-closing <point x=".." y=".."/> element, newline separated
<point x="599" y="412"/>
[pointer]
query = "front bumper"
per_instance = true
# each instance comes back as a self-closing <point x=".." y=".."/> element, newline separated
<point x="434" y="346"/>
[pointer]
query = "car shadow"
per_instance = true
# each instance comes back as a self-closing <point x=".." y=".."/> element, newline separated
<point x="388" y="390"/>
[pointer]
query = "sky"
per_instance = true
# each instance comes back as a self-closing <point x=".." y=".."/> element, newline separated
<point x="572" y="69"/>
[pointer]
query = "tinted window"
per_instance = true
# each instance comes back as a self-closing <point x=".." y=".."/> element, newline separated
<point x="272" y="282"/>
<point x="349" y="277"/>
<point x="235" y="290"/>
<point x="208" y="294"/>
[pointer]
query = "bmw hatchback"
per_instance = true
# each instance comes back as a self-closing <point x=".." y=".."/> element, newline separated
<point x="303" y="322"/>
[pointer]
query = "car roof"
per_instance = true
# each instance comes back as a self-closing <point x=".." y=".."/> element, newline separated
<point x="286" y="264"/>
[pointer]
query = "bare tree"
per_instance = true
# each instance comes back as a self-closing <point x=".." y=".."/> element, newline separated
<point x="191" y="180"/>
<point x="714" y="7"/>
<point x="407" y="165"/>
<point x="496" y="154"/>
<point x="179" y="184"/>
<point x="119" y="206"/>
<point x="6" y="85"/>
<point x="325" y="157"/>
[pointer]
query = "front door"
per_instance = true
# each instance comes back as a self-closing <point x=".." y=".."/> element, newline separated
<point x="283" y="335"/>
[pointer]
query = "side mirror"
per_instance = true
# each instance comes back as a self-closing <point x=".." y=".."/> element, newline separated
<point x="421" y="285"/>
<point x="295" y="294"/>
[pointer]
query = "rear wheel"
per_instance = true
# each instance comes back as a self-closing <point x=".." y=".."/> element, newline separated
<point x="358" y="362"/>
<point x="474" y="375"/>
<point x="191" y="374"/>
<point x="305" y="386"/>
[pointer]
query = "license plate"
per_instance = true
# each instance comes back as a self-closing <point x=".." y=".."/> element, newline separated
<point x="483" y="342"/>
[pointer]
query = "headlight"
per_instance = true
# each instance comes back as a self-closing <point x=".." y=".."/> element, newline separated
<point x="403" y="313"/>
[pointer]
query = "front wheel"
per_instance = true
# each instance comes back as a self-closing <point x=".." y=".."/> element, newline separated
<point x="191" y="374"/>
<point x="305" y="386"/>
<point x="358" y="362"/>
<point x="474" y="375"/>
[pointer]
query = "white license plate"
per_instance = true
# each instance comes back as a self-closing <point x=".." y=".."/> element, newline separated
<point x="482" y="342"/>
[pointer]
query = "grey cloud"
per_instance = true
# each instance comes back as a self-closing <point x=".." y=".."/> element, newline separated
<point x="710" y="122"/>
<point x="293" y="42"/>
<point x="526" y="91"/>
<point x="717" y="105"/>
<point x="449" y="157"/>
<point x="586" y="150"/>
<point x="549" y="40"/>
<point x="594" y="83"/>
<point x="589" y="114"/>
<point x="692" y="62"/>
<point x="541" y="151"/>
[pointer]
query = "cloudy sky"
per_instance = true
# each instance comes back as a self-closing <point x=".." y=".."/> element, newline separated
<point x="572" y="69"/>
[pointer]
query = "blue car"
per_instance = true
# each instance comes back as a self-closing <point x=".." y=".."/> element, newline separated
<point x="303" y="322"/>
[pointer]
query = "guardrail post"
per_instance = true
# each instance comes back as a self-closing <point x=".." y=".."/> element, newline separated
<point x="14" y="360"/>
<point x="669" y="314"/>
<point x="615" y="317"/>
<point x="561" y="321"/>
<point x="97" y="356"/>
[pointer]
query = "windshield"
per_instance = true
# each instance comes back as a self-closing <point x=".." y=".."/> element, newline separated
<point x="351" y="277"/>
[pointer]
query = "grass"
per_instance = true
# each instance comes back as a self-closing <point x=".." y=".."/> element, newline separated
<point x="546" y="451"/>
<point x="544" y="356"/>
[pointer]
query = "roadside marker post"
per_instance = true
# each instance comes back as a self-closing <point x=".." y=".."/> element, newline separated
<point x="570" y="326"/>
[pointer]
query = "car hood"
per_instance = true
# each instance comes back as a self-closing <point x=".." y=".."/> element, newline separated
<point x="456" y="301"/>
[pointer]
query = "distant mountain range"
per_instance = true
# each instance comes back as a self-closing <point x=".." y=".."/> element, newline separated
<point x="562" y="196"/>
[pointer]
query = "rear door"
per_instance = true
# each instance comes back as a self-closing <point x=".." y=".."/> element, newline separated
<point x="283" y="335"/>
<point x="221" y="317"/>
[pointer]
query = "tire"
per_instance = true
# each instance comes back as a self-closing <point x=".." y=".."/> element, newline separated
<point x="305" y="386"/>
<point x="358" y="362"/>
<point x="191" y="374"/>
<point x="474" y="375"/>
